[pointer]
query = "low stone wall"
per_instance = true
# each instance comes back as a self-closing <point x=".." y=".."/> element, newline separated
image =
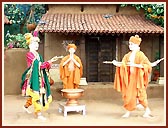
<point x="14" y="65"/>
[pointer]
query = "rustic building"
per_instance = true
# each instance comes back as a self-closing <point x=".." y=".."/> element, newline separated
<point x="101" y="32"/>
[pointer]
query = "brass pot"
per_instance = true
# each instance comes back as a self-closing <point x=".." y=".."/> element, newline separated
<point x="72" y="96"/>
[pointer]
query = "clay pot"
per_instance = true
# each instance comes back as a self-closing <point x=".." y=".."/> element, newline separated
<point x="31" y="26"/>
<point x="72" y="96"/>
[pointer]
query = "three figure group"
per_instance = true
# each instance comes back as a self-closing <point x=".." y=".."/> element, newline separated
<point x="131" y="76"/>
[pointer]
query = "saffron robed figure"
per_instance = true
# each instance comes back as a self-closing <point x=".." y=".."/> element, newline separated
<point x="71" y="69"/>
<point x="131" y="77"/>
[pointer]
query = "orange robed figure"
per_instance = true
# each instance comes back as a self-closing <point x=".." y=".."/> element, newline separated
<point x="131" y="77"/>
<point x="71" y="69"/>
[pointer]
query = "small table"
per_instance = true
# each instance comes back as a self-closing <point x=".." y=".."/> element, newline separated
<point x="64" y="108"/>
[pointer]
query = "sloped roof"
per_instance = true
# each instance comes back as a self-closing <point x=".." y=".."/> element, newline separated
<point x="97" y="23"/>
<point x="6" y="20"/>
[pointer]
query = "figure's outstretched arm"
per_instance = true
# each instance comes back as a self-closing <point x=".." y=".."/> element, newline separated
<point x="48" y="63"/>
<point x="156" y="62"/>
<point x="55" y="58"/>
<point x="152" y="64"/>
<point x="114" y="62"/>
<point x="118" y="64"/>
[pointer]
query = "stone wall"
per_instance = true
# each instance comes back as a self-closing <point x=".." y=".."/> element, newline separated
<point x="14" y="65"/>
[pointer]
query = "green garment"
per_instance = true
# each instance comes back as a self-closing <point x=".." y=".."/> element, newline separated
<point x="34" y="79"/>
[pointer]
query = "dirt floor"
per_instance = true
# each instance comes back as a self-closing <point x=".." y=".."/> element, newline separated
<point x="98" y="113"/>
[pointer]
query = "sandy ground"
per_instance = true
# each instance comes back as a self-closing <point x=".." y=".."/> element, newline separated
<point x="98" y="113"/>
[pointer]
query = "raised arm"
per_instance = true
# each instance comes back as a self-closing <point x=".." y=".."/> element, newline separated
<point x="156" y="62"/>
<point x="114" y="62"/>
<point x="74" y="60"/>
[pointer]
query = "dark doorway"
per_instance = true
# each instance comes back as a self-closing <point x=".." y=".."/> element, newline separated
<point x="99" y="49"/>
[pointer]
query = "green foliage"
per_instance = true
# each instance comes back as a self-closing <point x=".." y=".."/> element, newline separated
<point x="154" y="12"/>
<point x="16" y="41"/>
<point x="13" y="13"/>
<point x="157" y="57"/>
<point x="20" y="15"/>
<point x="39" y="10"/>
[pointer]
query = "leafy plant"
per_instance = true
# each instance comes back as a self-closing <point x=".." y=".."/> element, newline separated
<point x="16" y="41"/>
<point x="19" y="14"/>
<point x="154" y="12"/>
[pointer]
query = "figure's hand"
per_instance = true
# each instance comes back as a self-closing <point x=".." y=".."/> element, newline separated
<point x="156" y="62"/>
<point x="76" y="63"/>
<point x="55" y="58"/>
<point x="72" y="58"/>
<point x="107" y="62"/>
<point x="116" y="63"/>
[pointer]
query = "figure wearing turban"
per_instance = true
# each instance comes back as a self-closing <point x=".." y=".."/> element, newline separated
<point x="71" y="69"/>
<point x="131" y="77"/>
<point x="35" y="83"/>
<point x="132" y="80"/>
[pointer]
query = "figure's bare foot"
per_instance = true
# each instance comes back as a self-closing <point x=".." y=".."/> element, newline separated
<point x="147" y="113"/>
<point x="126" y="115"/>
<point x="26" y="109"/>
<point x="147" y="116"/>
<point x="41" y="117"/>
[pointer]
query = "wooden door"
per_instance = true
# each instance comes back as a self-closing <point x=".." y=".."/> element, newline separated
<point x="99" y="49"/>
<point x="92" y="59"/>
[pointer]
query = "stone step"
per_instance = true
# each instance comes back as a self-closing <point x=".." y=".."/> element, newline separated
<point x="100" y="91"/>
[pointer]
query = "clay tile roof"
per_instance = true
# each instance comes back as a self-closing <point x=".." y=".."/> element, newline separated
<point x="97" y="23"/>
<point x="6" y="20"/>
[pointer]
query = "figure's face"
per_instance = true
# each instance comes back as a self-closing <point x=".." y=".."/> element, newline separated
<point x="34" y="46"/>
<point x="72" y="50"/>
<point x="133" y="46"/>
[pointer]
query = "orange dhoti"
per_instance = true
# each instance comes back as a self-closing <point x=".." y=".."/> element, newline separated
<point x="133" y="85"/>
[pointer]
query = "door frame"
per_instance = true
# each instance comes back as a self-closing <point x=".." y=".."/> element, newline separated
<point x="99" y="38"/>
